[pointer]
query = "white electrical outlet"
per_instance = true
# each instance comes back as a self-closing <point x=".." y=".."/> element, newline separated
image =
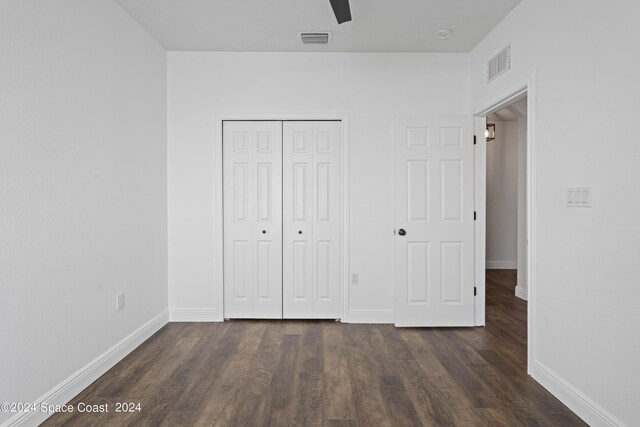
<point x="355" y="278"/>
<point x="579" y="197"/>
<point x="120" y="301"/>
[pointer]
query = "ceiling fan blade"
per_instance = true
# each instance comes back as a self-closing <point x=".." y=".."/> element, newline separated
<point x="341" y="10"/>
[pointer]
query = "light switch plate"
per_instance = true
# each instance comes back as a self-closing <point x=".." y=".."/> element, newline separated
<point x="578" y="197"/>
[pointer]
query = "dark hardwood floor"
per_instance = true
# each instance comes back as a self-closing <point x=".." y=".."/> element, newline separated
<point x="320" y="373"/>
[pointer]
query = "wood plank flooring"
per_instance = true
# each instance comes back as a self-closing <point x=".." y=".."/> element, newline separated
<point x="320" y="373"/>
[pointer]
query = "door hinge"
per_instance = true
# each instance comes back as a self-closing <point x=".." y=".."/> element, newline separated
<point x="475" y="291"/>
<point x="475" y="216"/>
<point x="474" y="140"/>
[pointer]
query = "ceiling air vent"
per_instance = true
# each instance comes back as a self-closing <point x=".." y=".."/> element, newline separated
<point x="315" y="38"/>
<point x="499" y="64"/>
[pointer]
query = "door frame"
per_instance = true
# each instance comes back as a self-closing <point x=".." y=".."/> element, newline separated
<point x="218" y="208"/>
<point x="525" y="88"/>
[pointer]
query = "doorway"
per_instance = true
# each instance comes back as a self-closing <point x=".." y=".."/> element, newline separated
<point x="506" y="212"/>
<point x="517" y="270"/>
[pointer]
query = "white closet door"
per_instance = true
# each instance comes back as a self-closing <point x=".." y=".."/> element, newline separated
<point x="434" y="214"/>
<point x="252" y="174"/>
<point x="312" y="154"/>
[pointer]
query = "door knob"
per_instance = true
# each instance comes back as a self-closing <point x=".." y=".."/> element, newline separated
<point x="299" y="231"/>
<point x="264" y="231"/>
<point x="402" y="232"/>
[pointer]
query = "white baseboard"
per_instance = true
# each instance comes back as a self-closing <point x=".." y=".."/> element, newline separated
<point x="501" y="265"/>
<point x="69" y="388"/>
<point x="581" y="405"/>
<point x="372" y="316"/>
<point x="194" y="315"/>
<point x="521" y="292"/>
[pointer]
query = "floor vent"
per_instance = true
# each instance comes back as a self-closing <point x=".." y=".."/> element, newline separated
<point x="315" y="38"/>
<point x="499" y="64"/>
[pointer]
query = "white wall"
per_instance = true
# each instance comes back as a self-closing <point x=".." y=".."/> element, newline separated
<point x="82" y="187"/>
<point x="502" y="196"/>
<point x="586" y="289"/>
<point x="372" y="88"/>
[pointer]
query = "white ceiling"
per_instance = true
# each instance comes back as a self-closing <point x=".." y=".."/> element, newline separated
<point x="510" y="113"/>
<point x="503" y="115"/>
<point x="273" y="25"/>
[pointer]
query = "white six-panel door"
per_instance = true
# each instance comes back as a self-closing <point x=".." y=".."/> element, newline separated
<point x="252" y="188"/>
<point x="434" y="215"/>
<point x="312" y="209"/>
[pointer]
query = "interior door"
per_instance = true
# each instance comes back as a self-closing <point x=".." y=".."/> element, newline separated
<point x="252" y="187"/>
<point x="434" y="215"/>
<point x="312" y="253"/>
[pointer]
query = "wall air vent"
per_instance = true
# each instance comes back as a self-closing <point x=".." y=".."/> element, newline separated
<point x="499" y="64"/>
<point x="315" y="38"/>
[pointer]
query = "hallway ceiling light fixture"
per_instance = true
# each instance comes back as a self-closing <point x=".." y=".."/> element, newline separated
<point x="490" y="133"/>
<point x="443" y="34"/>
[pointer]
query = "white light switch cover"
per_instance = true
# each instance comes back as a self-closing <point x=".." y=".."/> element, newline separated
<point x="579" y="197"/>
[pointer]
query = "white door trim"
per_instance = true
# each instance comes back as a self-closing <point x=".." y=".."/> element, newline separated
<point x="218" y="230"/>
<point x="527" y="88"/>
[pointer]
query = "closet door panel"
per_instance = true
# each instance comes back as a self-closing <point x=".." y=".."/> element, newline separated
<point x="252" y="175"/>
<point x="297" y="188"/>
<point x="327" y="219"/>
<point x="312" y="259"/>
<point x="268" y="220"/>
